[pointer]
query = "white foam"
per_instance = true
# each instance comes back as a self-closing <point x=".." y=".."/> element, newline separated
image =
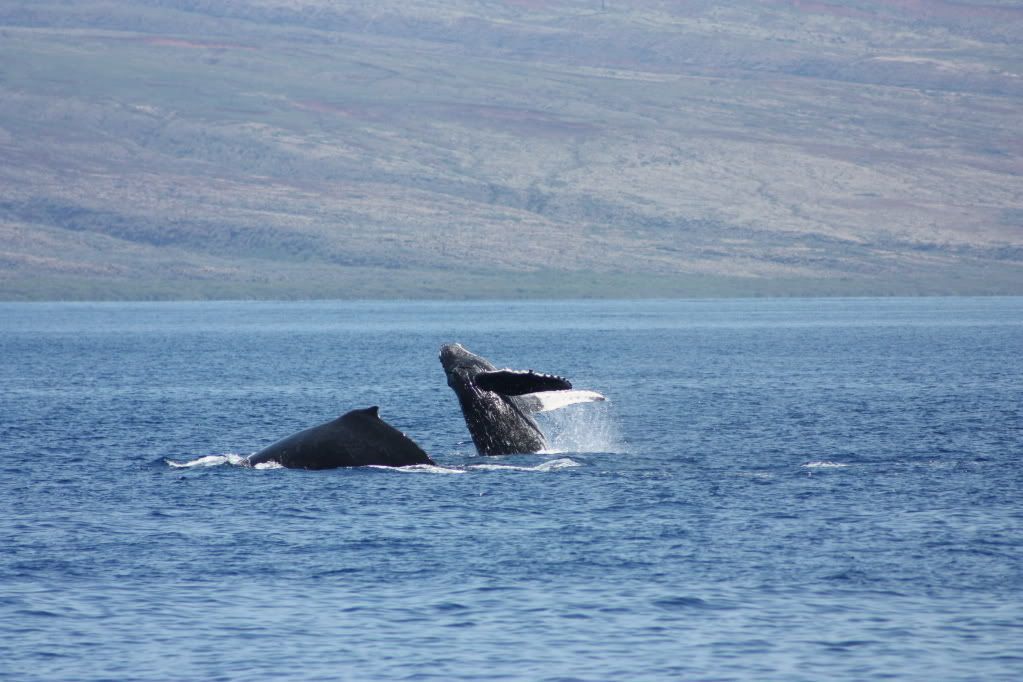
<point x="556" y="464"/>
<point x="243" y="461"/>
<point x="552" y="465"/>
<point x="421" y="469"/>
<point x="824" y="465"/>
<point x="211" y="461"/>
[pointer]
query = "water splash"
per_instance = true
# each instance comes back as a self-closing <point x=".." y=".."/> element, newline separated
<point x="588" y="427"/>
<point x="824" y="465"/>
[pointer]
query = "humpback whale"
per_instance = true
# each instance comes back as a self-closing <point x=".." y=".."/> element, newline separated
<point x="357" y="438"/>
<point x="498" y="403"/>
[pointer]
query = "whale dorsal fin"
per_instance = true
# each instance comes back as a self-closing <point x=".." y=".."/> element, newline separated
<point x="518" y="382"/>
<point x="370" y="411"/>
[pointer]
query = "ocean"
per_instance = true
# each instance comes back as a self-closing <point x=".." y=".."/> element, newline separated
<point x="776" y="489"/>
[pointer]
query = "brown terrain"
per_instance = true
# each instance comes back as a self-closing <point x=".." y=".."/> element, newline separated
<point x="310" y="149"/>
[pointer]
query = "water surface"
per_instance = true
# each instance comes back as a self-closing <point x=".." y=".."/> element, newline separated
<point x="778" y="489"/>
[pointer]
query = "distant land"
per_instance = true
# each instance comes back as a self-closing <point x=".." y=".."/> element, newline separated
<point x="195" y="149"/>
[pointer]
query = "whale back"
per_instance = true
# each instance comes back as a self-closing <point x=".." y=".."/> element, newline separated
<point x="356" y="438"/>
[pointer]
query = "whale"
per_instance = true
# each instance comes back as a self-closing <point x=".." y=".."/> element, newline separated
<point x="498" y="404"/>
<point x="357" y="438"/>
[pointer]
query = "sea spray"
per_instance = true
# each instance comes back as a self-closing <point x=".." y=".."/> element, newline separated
<point x="588" y="427"/>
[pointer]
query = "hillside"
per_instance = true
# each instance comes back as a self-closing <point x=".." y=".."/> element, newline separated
<point x="306" y="148"/>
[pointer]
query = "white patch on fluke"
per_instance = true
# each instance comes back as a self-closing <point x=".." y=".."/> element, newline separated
<point x="555" y="400"/>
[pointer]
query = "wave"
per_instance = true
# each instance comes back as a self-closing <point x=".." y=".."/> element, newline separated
<point x="824" y="465"/>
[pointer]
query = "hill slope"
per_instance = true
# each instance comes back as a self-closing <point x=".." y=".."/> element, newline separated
<point x="305" y="148"/>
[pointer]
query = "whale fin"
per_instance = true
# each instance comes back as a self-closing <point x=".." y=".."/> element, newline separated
<point x="518" y="382"/>
<point x="373" y="411"/>
<point x="545" y="401"/>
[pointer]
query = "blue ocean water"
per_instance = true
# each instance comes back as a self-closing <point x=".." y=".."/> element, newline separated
<point x="777" y="489"/>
